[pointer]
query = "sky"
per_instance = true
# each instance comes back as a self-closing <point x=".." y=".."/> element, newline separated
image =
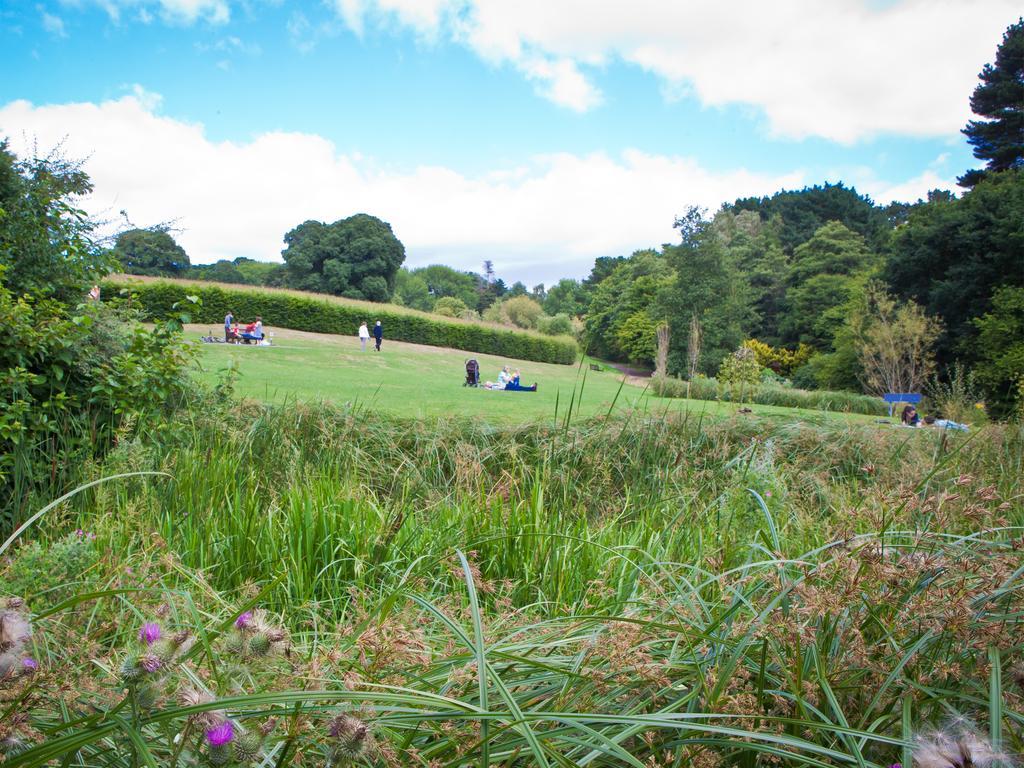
<point x="537" y="134"/>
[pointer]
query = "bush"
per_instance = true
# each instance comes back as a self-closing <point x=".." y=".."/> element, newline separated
<point x="701" y="388"/>
<point x="779" y="359"/>
<point x="559" y="325"/>
<point x="330" y="315"/>
<point x="67" y="380"/>
<point x="450" y="306"/>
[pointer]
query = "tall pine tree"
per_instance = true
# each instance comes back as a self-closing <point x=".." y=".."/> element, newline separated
<point x="999" y="140"/>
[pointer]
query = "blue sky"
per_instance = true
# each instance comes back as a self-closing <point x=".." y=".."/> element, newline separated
<point x="536" y="134"/>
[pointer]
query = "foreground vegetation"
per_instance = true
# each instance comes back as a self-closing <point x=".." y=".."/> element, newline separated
<point x="644" y="591"/>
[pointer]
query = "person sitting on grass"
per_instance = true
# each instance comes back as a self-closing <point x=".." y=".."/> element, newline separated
<point x="514" y="385"/>
<point x="504" y="377"/>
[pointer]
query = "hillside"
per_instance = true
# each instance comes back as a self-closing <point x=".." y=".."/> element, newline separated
<point x="413" y="380"/>
<point x="321" y="313"/>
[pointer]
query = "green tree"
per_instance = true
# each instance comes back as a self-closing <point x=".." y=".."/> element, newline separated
<point x="823" y="277"/>
<point x="445" y="281"/>
<point x="999" y="97"/>
<point x="636" y="337"/>
<point x="46" y="241"/>
<point x="707" y="284"/>
<point x="756" y="250"/>
<point x="952" y="255"/>
<point x="151" y="252"/>
<point x="357" y="257"/>
<point x="411" y="291"/>
<point x="633" y="286"/>
<point x="894" y="343"/>
<point x="803" y="212"/>
<point x="567" y="297"/>
<point x="1000" y="344"/>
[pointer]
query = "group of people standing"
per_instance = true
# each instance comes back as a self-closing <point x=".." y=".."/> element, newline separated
<point x="364" y="335"/>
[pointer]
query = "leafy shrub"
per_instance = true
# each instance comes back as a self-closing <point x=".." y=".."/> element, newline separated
<point x="54" y="569"/>
<point x="779" y="359"/>
<point x="307" y="313"/>
<point x="741" y="367"/>
<point x="450" y="306"/>
<point x="67" y="379"/>
<point x="559" y="325"/>
<point x="701" y="388"/>
<point x="960" y="398"/>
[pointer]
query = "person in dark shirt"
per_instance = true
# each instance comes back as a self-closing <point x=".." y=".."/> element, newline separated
<point x="909" y="416"/>
<point x="378" y="334"/>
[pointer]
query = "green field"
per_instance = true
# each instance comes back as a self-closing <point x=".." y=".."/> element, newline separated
<point x="411" y="380"/>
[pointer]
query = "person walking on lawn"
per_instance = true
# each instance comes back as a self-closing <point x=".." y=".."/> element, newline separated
<point x="364" y="335"/>
<point x="378" y="334"/>
<point x="229" y="318"/>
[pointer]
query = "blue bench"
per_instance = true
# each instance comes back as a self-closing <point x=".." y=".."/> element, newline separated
<point x="892" y="398"/>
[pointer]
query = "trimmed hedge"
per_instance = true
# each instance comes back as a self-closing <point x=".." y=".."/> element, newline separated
<point x="768" y="394"/>
<point x="283" y="309"/>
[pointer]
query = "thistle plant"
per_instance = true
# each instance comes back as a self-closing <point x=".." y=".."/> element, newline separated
<point x="144" y="670"/>
<point x="349" y="739"/>
<point x="254" y="637"/>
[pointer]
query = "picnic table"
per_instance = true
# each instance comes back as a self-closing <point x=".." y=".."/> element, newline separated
<point x="895" y="398"/>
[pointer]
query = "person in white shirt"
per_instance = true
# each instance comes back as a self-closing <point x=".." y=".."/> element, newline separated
<point x="364" y="335"/>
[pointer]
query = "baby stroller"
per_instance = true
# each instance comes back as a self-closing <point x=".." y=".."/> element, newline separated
<point x="472" y="374"/>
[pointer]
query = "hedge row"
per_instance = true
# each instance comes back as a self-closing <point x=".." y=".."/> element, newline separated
<point x="769" y="394"/>
<point x="303" y="313"/>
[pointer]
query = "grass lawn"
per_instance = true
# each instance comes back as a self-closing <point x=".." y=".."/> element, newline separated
<point x="414" y="380"/>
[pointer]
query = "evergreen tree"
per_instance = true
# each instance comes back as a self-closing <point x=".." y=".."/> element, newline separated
<point x="999" y="140"/>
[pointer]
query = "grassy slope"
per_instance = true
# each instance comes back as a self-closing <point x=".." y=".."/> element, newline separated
<point x="413" y="380"/>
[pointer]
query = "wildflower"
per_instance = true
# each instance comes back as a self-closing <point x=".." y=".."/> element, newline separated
<point x="221" y="734"/>
<point x="149" y="633"/>
<point x="79" y="533"/>
<point x="29" y="664"/>
<point x="244" y="621"/>
<point x="151" y="662"/>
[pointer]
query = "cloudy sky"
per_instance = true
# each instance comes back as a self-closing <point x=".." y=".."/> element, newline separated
<point x="539" y="134"/>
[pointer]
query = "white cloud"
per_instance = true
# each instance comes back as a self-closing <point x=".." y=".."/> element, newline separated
<point x="838" y="69"/>
<point x="562" y="82"/>
<point x="540" y="220"/>
<point x="53" y="24"/>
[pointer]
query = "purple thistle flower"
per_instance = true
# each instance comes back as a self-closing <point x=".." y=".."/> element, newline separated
<point x="149" y="633"/>
<point x="896" y="765"/>
<point x="79" y="533"/>
<point x="221" y="734"/>
<point x="29" y="664"/>
<point x="151" y="662"/>
<point x="243" y="621"/>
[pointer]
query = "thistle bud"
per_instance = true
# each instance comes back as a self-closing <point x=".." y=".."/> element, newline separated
<point x="146" y="696"/>
<point x="247" y="747"/>
<point x="259" y="644"/>
<point x="130" y="668"/>
<point x="353" y="736"/>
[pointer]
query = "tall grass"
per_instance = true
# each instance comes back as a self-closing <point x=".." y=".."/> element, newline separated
<point x="646" y="592"/>
<point x="702" y="388"/>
